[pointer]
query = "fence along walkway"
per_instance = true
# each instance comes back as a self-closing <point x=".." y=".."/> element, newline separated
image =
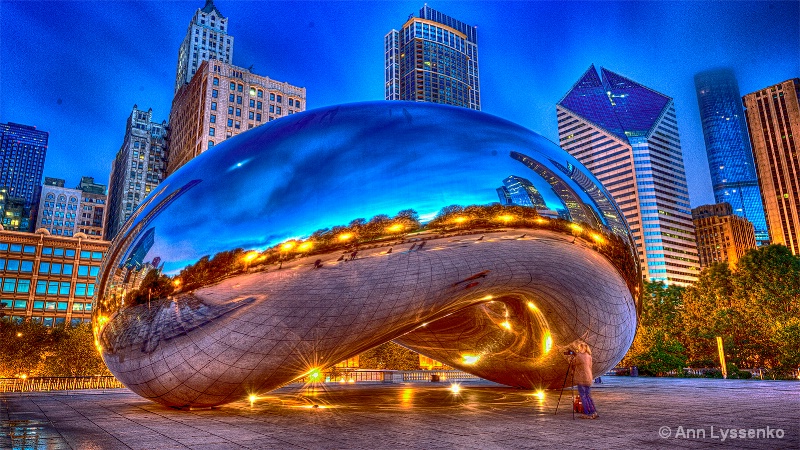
<point x="35" y="384"/>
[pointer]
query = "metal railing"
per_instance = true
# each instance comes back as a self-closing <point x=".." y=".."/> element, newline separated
<point x="384" y="376"/>
<point x="36" y="384"/>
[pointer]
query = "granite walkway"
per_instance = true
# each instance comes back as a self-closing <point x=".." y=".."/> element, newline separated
<point x="634" y="413"/>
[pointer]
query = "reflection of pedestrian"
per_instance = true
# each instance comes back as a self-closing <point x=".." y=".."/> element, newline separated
<point x="421" y="245"/>
<point x="582" y="369"/>
<point x="318" y="264"/>
<point x="389" y="251"/>
<point x="353" y="255"/>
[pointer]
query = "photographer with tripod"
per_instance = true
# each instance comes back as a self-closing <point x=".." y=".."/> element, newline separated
<point x="579" y="355"/>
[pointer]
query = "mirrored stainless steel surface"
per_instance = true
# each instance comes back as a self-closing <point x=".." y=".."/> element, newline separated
<point x="310" y="239"/>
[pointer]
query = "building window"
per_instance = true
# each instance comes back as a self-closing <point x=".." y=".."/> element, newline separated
<point x="213" y="106"/>
<point x="213" y="118"/>
<point x="216" y="81"/>
<point x="210" y="144"/>
<point x="272" y="96"/>
<point x="214" y="93"/>
<point x="291" y="102"/>
<point x="258" y="105"/>
<point x="252" y="115"/>
<point x="239" y="99"/>
<point x="230" y="109"/>
<point x="237" y="125"/>
<point x="280" y="99"/>
<point x="260" y="94"/>
<point x="252" y="103"/>
<point x="233" y="86"/>
<point x="232" y="98"/>
<point x="238" y="112"/>
<point x="240" y="88"/>
<point x="272" y="108"/>
<point x="278" y="110"/>
<point x="230" y="122"/>
<point x="297" y="103"/>
<point x="211" y="131"/>
<point x="258" y="117"/>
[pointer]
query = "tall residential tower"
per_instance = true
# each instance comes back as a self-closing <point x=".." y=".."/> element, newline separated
<point x="773" y="117"/>
<point x="433" y="58"/>
<point x="730" y="160"/>
<point x="627" y="135"/>
<point x="206" y="39"/>
<point x="137" y="169"/>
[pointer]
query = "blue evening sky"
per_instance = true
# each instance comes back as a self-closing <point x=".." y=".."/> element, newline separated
<point x="76" y="68"/>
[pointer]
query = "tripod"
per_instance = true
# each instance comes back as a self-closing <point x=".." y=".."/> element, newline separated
<point x="564" y="384"/>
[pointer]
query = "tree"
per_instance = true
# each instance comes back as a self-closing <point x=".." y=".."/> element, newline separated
<point x="389" y="356"/>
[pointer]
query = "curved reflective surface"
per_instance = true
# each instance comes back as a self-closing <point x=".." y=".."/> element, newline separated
<point x="310" y="239"/>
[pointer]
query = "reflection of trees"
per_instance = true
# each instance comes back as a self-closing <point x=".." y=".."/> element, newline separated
<point x="383" y="229"/>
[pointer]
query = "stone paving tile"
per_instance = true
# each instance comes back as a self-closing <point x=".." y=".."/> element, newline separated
<point x="413" y="416"/>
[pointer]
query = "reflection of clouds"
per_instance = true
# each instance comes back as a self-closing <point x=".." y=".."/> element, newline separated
<point x="327" y="167"/>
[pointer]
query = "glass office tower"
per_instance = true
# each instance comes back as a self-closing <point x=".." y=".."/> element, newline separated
<point x="627" y="135"/>
<point x="433" y="58"/>
<point x="730" y="158"/>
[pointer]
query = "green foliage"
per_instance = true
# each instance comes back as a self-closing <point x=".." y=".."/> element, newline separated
<point x="389" y="356"/>
<point x="31" y="349"/>
<point x="754" y="308"/>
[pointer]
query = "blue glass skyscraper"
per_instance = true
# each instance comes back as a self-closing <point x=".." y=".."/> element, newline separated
<point x="730" y="159"/>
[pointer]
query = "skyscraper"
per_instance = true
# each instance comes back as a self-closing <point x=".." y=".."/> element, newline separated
<point x="627" y="135"/>
<point x="22" y="152"/>
<point x="137" y="169"/>
<point x="773" y="118"/>
<point x="721" y="235"/>
<point x="433" y="58"/>
<point x="222" y="101"/>
<point x="730" y="160"/>
<point x="206" y="39"/>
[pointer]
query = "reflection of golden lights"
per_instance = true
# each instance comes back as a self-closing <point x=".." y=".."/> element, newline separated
<point x="548" y="341"/>
<point x="314" y="374"/>
<point x="541" y="220"/>
<point x="532" y="306"/>
<point x="249" y="256"/>
<point x="488" y="297"/>
<point x="253" y="398"/>
<point x="395" y="228"/>
<point x="506" y="325"/>
<point x="460" y="219"/>
<point x="19" y="334"/>
<point x="597" y="238"/>
<point x="23" y="376"/>
<point x="470" y="359"/>
<point x="539" y="394"/>
<point x="506" y="217"/>
<point x="455" y="388"/>
<point x="176" y="282"/>
<point x="405" y="396"/>
<point x="345" y="236"/>
<point x="305" y="246"/>
<point x="576" y="227"/>
<point x="288" y="246"/>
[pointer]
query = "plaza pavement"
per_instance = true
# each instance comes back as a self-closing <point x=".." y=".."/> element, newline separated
<point x="633" y="414"/>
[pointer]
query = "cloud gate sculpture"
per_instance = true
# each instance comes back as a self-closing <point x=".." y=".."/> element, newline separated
<point x="313" y="238"/>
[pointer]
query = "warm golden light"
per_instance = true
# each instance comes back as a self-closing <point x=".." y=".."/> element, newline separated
<point x="314" y="375"/>
<point x="288" y="246"/>
<point x="541" y="220"/>
<point x="548" y="341"/>
<point x="539" y="394"/>
<point x="470" y="359"/>
<point x="576" y="227"/>
<point x="506" y="325"/>
<point x="253" y="398"/>
<point x="597" y="238"/>
<point x="506" y="218"/>
<point x="249" y="256"/>
<point x="305" y="246"/>
<point x="23" y="376"/>
<point x="460" y="219"/>
<point x="395" y="228"/>
<point x="345" y="236"/>
<point x="176" y="282"/>
<point x="455" y="388"/>
<point x="532" y="306"/>
<point x="19" y="334"/>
